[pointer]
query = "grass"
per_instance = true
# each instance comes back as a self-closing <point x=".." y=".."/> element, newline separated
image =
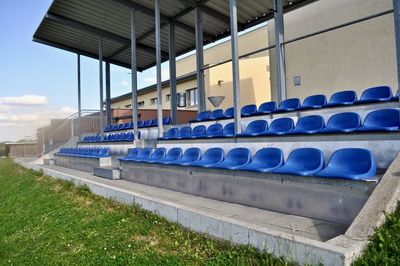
<point x="44" y="221"/>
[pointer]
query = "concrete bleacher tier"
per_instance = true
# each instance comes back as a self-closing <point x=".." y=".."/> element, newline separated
<point x="83" y="159"/>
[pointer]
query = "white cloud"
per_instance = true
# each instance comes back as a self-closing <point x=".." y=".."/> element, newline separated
<point x="68" y="110"/>
<point x="24" y="100"/>
<point x="125" y="83"/>
<point x="153" y="78"/>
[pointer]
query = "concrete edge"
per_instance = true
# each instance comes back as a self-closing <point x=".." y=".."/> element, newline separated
<point x="296" y="248"/>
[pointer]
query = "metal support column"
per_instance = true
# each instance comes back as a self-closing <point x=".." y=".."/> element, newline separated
<point x="108" y="93"/>
<point x="280" y="50"/>
<point x="101" y="85"/>
<point x="158" y="67"/>
<point x="200" y="60"/>
<point x="235" y="65"/>
<point x="396" y="16"/>
<point x="79" y="96"/>
<point x="134" y="75"/>
<point x="172" y="73"/>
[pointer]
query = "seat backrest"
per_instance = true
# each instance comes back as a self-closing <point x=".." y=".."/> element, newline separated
<point x="133" y="153"/>
<point x="305" y="158"/>
<point x="174" y="154"/>
<point x="172" y="132"/>
<point x="229" y="112"/>
<point x="126" y="125"/>
<point x="291" y="103"/>
<point x="257" y="126"/>
<point x="269" y="157"/>
<point x="145" y="153"/>
<point x="377" y="93"/>
<point x="147" y="123"/>
<point x="382" y="118"/>
<point x="198" y="131"/>
<point x="154" y="122"/>
<point x="192" y="154"/>
<point x="344" y="120"/>
<point x="213" y="155"/>
<point x="115" y="127"/>
<point x="310" y="122"/>
<point x="203" y="115"/>
<point x="282" y="124"/>
<point x="229" y="129"/>
<point x="141" y="123"/>
<point x="267" y="107"/>
<point x="185" y="131"/>
<point x="166" y="120"/>
<point x="104" y="152"/>
<point x="217" y="114"/>
<point x="214" y="129"/>
<point x="121" y="126"/>
<point x="158" y="154"/>
<point x="238" y="156"/>
<point x="343" y="97"/>
<point x="129" y="136"/>
<point x="353" y="160"/>
<point x="249" y="109"/>
<point x="314" y="100"/>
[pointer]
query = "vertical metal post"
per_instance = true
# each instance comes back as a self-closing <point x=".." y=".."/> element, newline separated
<point x="280" y="50"/>
<point x="235" y="65"/>
<point x="396" y="16"/>
<point x="172" y="73"/>
<point x="79" y="96"/>
<point x="134" y="75"/>
<point x="158" y="67"/>
<point x="101" y="84"/>
<point x="108" y="93"/>
<point x="200" y="60"/>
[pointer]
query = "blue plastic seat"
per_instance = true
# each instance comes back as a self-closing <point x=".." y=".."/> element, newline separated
<point x="156" y="155"/>
<point x="248" y="110"/>
<point x="104" y="152"/>
<point x="215" y="130"/>
<point x="235" y="158"/>
<point x="114" y="127"/>
<point x="184" y="133"/>
<point x="229" y="130"/>
<point x="198" y="132"/>
<point x="108" y="128"/>
<point x="280" y="126"/>
<point x="202" y="116"/>
<point x="396" y="97"/>
<point x="376" y="94"/>
<point x="289" y="105"/>
<point x="144" y="154"/>
<point x="313" y="102"/>
<point x="342" y="122"/>
<point x="166" y="120"/>
<point x="255" y="128"/>
<point x="309" y="124"/>
<point x="210" y="157"/>
<point x="342" y="98"/>
<point x="147" y="123"/>
<point x="350" y="163"/>
<point x="171" y="133"/>
<point x="140" y="124"/>
<point x="129" y="136"/>
<point x="127" y="125"/>
<point x="303" y="161"/>
<point x="121" y="126"/>
<point x="381" y="120"/>
<point x="229" y="113"/>
<point x="132" y="155"/>
<point x="154" y="123"/>
<point x="265" y="160"/>
<point x="267" y="108"/>
<point x="217" y="114"/>
<point x="190" y="156"/>
<point x="172" y="155"/>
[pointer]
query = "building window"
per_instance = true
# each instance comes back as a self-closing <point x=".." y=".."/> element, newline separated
<point x="128" y="106"/>
<point x="140" y="104"/>
<point x="153" y="101"/>
<point x="168" y="98"/>
<point x="192" y="97"/>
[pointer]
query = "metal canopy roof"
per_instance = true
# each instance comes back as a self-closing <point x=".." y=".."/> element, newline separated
<point x="75" y="25"/>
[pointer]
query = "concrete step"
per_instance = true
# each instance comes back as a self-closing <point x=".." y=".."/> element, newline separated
<point x="107" y="172"/>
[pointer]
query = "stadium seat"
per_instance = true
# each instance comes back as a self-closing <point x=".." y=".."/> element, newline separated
<point x="342" y="98"/>
<point x="191" y="155"/>
<point x="350" y="163"/>
<point x="303" y="161"/>
<point x="229" y="113"/>
<point x="198" y="132"/>
<point x="108" y="128"/>
<point x="217" y="114"/>
<point x="210" y="157"/>
<point x="147" y="123"/>
<point x="248" y="110"/>
<point x="265" y="160"/>
<point x="309" y="124"/>
<point x="173" y="154"/>
<point x="171" y="133"/>
<point x="129" y="136"/>
<point x="140" y="124"/>
<point x="342" y="122"/>
<point x="396" y="97"/>
<point x="202" y="116"/>
<point x="166" y="120"/>
<point x="184" y="132"/>
<point x="144" y="154"/>
<point x="126" y="125"/>
<point x="376" y="94"/>
<point x="381" y="120"/>
<point x="132" y="155"/>
<point x="121" y="126"/>
<point x="229" y="130"/>
<point x="235" y="158"/>
<point x="280" y="126"/>
<point x="154" y="123"/>
<point x="313" y="102"/>
<point x="156" y="155"/>
<point x="255" y="128"/>
<point x="288" y="105"/>
<point x="104" y="152"/>
<point x="214" y="130"/>
<point x="267" y="108"/>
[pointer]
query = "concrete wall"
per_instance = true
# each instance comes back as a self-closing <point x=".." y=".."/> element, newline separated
<point x="354" y="57"/>
<point x="22" y="150"/>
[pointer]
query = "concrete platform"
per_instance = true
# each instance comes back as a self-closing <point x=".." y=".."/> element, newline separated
<point x="82" y="163"/>
<point x="109" y="172"/>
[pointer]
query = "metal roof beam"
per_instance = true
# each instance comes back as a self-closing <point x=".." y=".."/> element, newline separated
<point x="108" y="35"/>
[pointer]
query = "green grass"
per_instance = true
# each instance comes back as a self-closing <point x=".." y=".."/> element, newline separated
<point x="50" y="222"/>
